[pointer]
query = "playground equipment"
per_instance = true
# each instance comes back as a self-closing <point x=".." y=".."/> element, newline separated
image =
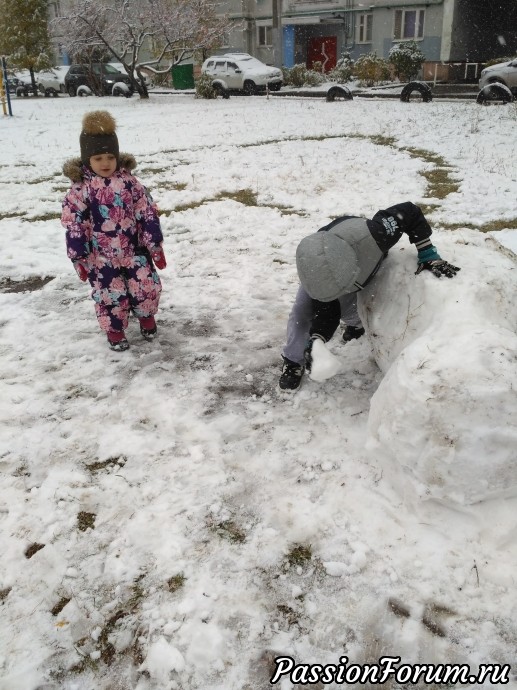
<point x="5" y="97"/>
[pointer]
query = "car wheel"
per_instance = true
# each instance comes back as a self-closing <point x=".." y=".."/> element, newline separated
<point x="50" y="92"/>
<point x="249" y="88"/>
<point x="20" y="91"/>
<point x="275" y="87"/>
<point x="493" y="93"/>
<point x="71" y="91"/>
<point x="83" y="91"/>
<point x="121" y="89"/>
<point x="339" y="93"/>
<point x="418" y="87"/>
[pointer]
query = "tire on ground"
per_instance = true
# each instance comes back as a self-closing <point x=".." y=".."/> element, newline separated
<point x="494" y="92"/>
<point x="83" y="90"/>
<point x="419" y="87"/>
<point x="340" y="93"/>
<point x="221" y="90"/>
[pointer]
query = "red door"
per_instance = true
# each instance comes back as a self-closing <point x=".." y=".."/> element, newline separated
<point x="322" y="49"/>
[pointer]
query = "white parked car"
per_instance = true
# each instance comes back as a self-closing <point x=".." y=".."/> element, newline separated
<point x="501" y="73"/>
<point x="49" y="82"/>
<point x="242" y="72"/>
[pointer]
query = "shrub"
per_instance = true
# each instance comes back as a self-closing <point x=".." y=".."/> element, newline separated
<point x="343" y="71"/>
<point x="299" y="75"/>
<point x="370" y="69"/>
<point x="406" y="59"/>
<point x="496" y="61"/>
<point x="204" y="88"/>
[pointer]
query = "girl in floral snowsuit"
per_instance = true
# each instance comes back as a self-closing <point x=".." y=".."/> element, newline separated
<point x="113" y="232"/>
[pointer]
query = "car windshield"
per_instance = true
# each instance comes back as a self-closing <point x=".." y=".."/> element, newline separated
<point x="251" y="62"/>
<point x="108" y="69"/>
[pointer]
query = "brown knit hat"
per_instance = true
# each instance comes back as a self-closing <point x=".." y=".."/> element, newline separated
<point x="98" y="135"/>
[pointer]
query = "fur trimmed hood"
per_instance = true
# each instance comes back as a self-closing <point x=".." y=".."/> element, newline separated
<point x="73" y="168"/>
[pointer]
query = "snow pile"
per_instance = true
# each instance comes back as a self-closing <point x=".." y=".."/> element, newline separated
<point x="445" y="410"/>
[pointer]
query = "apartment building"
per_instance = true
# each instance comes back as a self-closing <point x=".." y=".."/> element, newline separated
<point x="288" y="32"/>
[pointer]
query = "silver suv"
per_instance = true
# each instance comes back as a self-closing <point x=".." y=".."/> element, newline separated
<point x="242" y="72"/>
<point x="502" y="73"/>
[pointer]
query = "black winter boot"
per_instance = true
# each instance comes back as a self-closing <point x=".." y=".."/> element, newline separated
<point x="291" y="377"/>
<point x="352" y="333"/>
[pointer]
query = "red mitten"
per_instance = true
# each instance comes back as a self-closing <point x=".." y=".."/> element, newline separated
<point x="81" y="270"/>
<point x="159" y="258"/>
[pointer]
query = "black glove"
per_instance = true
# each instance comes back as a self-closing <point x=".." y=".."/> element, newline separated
<point x="307" y="353"/>
<point x="438" y="268"/>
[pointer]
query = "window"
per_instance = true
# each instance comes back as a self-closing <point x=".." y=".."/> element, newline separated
<point x="409" y="24"/>
<point x="364" y="28"/>
<point x="264" y="36"/>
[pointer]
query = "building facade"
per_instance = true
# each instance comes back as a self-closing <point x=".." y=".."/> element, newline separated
<point x="288" y="32"/>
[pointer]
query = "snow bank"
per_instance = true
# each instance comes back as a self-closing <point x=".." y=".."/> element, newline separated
<point x="443" y="418"/>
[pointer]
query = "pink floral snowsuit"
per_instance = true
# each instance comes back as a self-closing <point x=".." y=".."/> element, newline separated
<point x="112" y="226"/>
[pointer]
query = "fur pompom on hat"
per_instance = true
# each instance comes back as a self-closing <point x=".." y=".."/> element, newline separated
<point x="98" y="135"/>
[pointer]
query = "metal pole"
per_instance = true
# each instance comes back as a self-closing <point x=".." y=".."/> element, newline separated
<point x="6" y="87"/>
<point x="277" y="33"/>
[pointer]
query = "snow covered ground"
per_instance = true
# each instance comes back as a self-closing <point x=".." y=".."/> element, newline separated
<point x="169" y="520"/>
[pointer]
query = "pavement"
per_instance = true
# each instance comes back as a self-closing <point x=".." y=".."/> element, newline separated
<point x="453" y="91"/>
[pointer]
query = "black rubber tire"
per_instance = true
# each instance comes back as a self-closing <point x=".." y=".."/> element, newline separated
<point x="419" y="87"/>
<point x="494" y="92"/>
<point x="249" y="87"/>
<point x="221" y="90"/>
<point x="275" y="87"/>
<point x="71" y="91"/>
<point x="339" y="93"/>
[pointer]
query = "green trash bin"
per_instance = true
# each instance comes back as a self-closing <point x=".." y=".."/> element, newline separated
<point x="183" y="76"/>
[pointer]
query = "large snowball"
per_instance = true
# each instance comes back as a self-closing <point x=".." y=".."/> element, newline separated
<point x="444" y="418"/>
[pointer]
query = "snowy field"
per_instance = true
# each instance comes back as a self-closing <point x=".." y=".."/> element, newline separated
<point x="168" y="519"/>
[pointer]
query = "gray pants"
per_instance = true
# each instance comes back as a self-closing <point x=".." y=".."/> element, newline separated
<point x="300" y="320"/>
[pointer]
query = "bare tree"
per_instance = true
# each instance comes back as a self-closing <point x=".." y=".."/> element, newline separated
<point x="166" y="31"/>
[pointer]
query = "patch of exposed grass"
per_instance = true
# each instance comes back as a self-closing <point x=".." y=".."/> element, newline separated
<point x="32" y="549"/>
<point x="176" y="582"/>
<point x="39" y="180"/>
<point x="428" y="156"/>
<point x="152" y="170"/>
<point x="28" y="285"/>
<point x="57" y="608"/>
<point x="440" y="183"/>
<point x="398" y="608"/>
<point x="192" y="205"/>
<point x="85" y="521"/>
<point x="228" y="529"/>
<point x="3" y="216"/>
<point x="491" y="226"/>
<point x="427" y="208"/>
<point x="299" y="555"/>
<point x="50" y="215"/>
<point x="106" y="464"/>
<point x="381" y="140"/>
<point x="4" y="593"/>
<point x="246" y="197"/>
<point x="174" y="186"/>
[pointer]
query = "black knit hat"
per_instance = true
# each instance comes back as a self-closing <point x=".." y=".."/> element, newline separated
<point x="98" y="135"/>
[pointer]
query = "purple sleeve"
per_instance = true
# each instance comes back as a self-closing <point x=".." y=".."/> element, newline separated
<point x="75" y="217"/>
<point x="146" y="212"/>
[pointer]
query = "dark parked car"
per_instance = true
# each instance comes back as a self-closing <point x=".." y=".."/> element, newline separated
<point x="98" y="78"/>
